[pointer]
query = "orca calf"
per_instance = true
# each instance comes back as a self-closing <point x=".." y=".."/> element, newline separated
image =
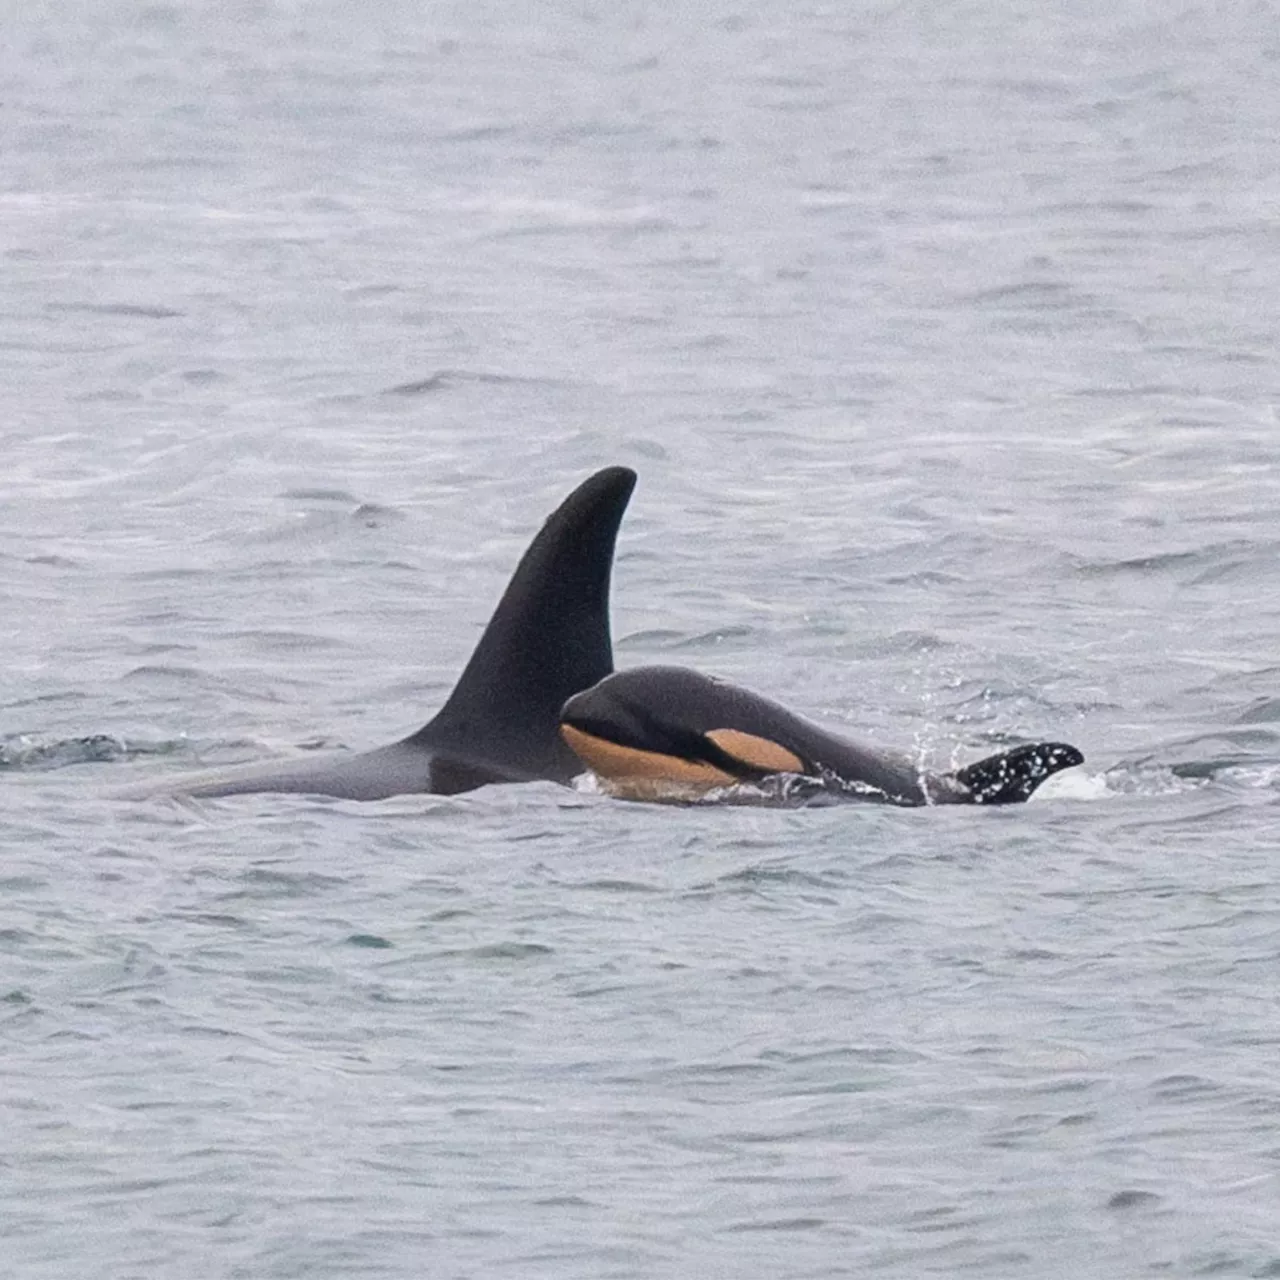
<point x="671" y="733"/>
<point x="548" y="638"/>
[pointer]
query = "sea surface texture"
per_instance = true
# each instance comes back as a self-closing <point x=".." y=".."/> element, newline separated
<point x="943" y="338"/>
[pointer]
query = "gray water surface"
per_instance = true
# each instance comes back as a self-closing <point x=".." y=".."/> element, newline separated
<point x="943" y="340"/>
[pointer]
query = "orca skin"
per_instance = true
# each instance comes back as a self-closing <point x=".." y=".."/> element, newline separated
<point x="547" y="639"/>
<point x="672" y="733"/>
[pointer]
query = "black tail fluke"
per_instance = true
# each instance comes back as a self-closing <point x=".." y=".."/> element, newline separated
<point x="1011" y="776"/>
<point x="547" y="640"/>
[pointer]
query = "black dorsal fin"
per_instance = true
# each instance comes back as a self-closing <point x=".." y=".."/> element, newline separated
<point x="547" y="640"/>
<point x="1011" y="776"/>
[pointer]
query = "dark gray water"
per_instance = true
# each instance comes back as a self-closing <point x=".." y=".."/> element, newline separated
<point x="943" y="339"/>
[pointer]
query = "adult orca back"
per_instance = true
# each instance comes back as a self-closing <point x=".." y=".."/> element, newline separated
<point x="547" y="640"/>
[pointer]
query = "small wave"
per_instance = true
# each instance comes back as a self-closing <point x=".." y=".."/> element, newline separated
<point x="1262" y="711"/>
<point x="444" y="379"/>
<point x="54" y="562"/>
<point x="666" y="638"/>
<point x="1132" y="1198"/>
<point x="507" y="950"/>
<point x="320" y="495"/>
<point x="32" y="755"/>
<point x="777" y="791"/>
<point x="1259" y="777"/>
<point x="281" y="640"/>
<point x="766" y="874"/>
<point x="1035" y="294"/>
<point x="136" y="310"/>
<point x="1200" y="565"/>
<point x="1147" y="777"/>
<point x="608" y="884"/>
<point x="1143" y="565"/>
<point x="1156" y="776"/>
<point x="1074" y="784"/>
<point x="419" y="387"/>
<point x="271" y="883"/>
<point x="711" y="639"/>
<point x="798" y="791"/>
<point x="988" y="694"/>
<point x="905" y="643"/>
<point x="1205" y="755"/>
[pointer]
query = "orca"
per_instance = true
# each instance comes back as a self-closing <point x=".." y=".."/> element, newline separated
<point x="656" y="733"/>
<point x="547" y="639"/>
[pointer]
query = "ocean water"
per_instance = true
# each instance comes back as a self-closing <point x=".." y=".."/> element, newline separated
<point x="943" y="341"/>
